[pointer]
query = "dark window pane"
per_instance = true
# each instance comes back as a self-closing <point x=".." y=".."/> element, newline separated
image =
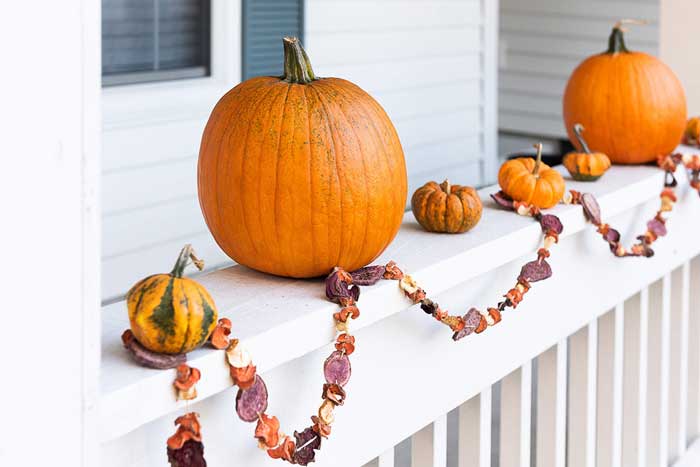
<point x="152" y="40"/>
<point x="265" y="22"/>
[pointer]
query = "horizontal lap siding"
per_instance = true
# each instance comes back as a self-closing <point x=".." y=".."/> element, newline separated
<point x="542" y="41"/>
<point x="421" y="59"/>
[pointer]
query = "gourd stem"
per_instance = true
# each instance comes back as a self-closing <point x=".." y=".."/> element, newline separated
<point x="538" y="161"/>
<point x="446" y="187"/>
<point x="183" y="259"/>
<point x="297" y="66"/>
<point x="616" y="42"/>
<point x="578" y="128"/>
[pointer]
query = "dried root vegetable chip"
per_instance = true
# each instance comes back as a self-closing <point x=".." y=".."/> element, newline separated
<point x="285" y="450"/>
<point x="219" y="337"/>
<point x="191" y="454"/>
<point x="550" y="222"/>
<point x="252" y="401"/>
<point x="368" y="275"/>
<point x="591" y="209"/>
<point x="337" y="368"/>
<point x="471" y="321"/>
<point x="267" y="430"/>
<point x="339" y="288"/>
<point x="237" y="355"/>
<point x="148" y="358"/>
<point x="243" y="377"/>
<point x="535" y="271"/>
<point x="307" y="442"/>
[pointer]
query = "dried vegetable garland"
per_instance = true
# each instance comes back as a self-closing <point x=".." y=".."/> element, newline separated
<point x="185" y="448"/>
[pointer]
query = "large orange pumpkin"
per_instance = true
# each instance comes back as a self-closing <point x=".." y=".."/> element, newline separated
<point x="631" y="104"/>
<point x="298" y="174"/>
<point x="531" y="181"/>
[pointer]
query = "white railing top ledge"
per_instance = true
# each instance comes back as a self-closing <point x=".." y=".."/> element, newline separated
<point x="283" y="319"/>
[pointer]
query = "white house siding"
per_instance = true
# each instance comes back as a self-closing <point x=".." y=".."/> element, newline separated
<point x="542" y="41"/>
<point x="423" y="60"/>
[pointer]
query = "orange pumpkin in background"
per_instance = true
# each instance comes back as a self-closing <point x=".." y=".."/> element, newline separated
<point x="531" y="181"/>
<point x="585" y="165"/>
<point x="446" y="208"/>
<point x="632" y="104"/>
<point x="298" y="174"/>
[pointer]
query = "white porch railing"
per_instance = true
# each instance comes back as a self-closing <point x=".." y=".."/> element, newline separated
<point x="599" y="366"/>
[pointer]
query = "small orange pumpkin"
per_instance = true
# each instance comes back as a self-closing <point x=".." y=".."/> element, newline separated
<point x="531" y="181"/>
<point x="692" y="131"/>
<point x="585" y="166"/>
<point x="446" y="208"/>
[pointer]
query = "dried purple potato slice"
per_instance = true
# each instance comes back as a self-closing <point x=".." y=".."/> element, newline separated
<point x="535" y="271"/>
<point x="337" y="369"/>
<point x="502" y="200"/>
<point x="191" y="454"/>
<point x="612" y="236"/>
<point x="306" y="442"/>
<point x="657" y="227"/>
<point x="551" y="222"/>
<point x="148" y="358"/>
<point x="591" y="208"/>
<point x="471" y="321"/>
<point x="252" y="401"/>
<point x="368" y="275"/>
<point x="336" y="288"/>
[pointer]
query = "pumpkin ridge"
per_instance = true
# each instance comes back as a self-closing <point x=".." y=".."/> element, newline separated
<point x="163" y="314"/>
<point x="145" y="289"/>
<point x="371" y="108"/>
<point x="207" y="317"/>
<point x="337" y="171"/>
<point x="246" y="222"/>
<point x="216" y="160"/>
<point x="190" y="314"/>
<point x="280" y="254"/>
<point x="368" y="199"/>
<point x="309" y="160"/>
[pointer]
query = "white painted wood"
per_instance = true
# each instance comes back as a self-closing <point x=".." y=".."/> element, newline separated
<point x="676" y="396"/>
<point x="691" y="458"/>
<point x="551" y="406"/>
<point x="490" y="40"/>
<point x="542" y="42"/>
<point x="386" y="459"/>
<point x="618" y="379"/>
<point x="591" y="392"/>
<point x="485" y="428"/>
<point x="643" y="376"/>
<point x="297" y="318"/>
<point x="664" y="372"/>
<point x="515" y="415"/>
<point x="694" y="352"/>
<point x="582" y="390"/>
<point x="606" y="390"/>
<point x="469" y="433"/>
<point x="683" y="327"/>
<point x="652" y="437"/>
<point x="429" y="445"/>
<point x="50" y="134"/>
<point x="634" y="385"/>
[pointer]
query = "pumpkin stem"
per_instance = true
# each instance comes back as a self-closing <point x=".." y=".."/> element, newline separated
<point x="578" y="128"/>
<point x="616" y="42"/>
<point x="538" y="161"/>
<point x="297" y="66"/>
<point x="446" y="187"/>
<point x="186" y="254"/>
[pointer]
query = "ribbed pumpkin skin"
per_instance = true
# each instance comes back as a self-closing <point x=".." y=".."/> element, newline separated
<point x="437" y="211"/>
<point x="632" y="105"/>
<point x="543" y="190"/>
<point x="170" y="314"/>
<point x="295" y="179"/>
<point x="586" y="166"/>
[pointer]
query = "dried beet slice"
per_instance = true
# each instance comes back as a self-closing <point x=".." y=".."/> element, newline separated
<point x="337" y="368"/>
<point x="337" y="288"/>
<point x="148" y="358"/>
<point x="551" y="222"/>
<point x="471" y="321"/>
<point x="591" y="208"/>
<point x="502" y="200"/>
<point x="612" y="236"/>
<point x="657" y="227"/>
<point x="306" y="443"/>
<point x="369" y="275"/>
<point x="535" y="271"/>
<point x="253" y="401"/>
<point x="191" y="454"/>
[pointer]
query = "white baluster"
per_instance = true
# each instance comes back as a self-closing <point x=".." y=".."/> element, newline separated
<point x="551" y="406"/>
<point x="516" y="395"/>
<point x="683" y="361"/>
<point x="429" y="445"/>
<point x="694" y="351"/>
<point x="386" y="459"/>
<point x="618" y="356"/>
<point x="474" y="437"/>
<point x="664" y="369"/>
<point x="591" y="393"/>
<point x="610" y="380"/>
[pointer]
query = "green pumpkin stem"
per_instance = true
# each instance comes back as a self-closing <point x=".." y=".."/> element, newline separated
<point x="616" y="42"/>
<point x="297" y="66"/>
<point x="578" y="128"/>
<point x="538" y="161"/>
<point x="183" y="259"/>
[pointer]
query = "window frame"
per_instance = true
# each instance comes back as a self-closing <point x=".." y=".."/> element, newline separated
<point x="130" y="104"/>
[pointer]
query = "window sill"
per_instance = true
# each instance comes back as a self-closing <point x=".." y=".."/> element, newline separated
<point x="271" y="313"/>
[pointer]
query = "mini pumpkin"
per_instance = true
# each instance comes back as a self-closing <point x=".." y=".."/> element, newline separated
<point x="531" y="181"/>
<point x="446" y="208"/>
<point x="169" y="313"/>
<point x="585" y="166"/>
<point x="692" y="131"/>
